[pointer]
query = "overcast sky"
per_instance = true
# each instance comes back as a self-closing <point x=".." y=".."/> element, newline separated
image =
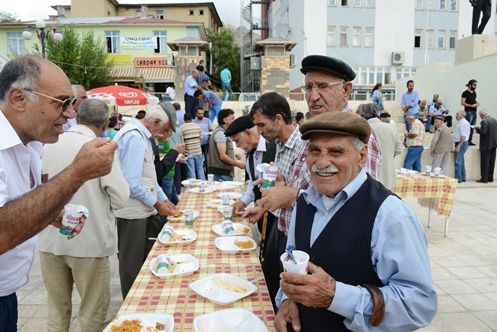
<point x="229" y="10"/>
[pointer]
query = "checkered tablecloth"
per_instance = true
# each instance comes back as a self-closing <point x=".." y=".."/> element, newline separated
<point x="435" y="192"/>
<point x="173" y="296"/>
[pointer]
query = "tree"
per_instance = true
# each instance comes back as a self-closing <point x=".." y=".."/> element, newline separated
<point x="82" y="58"/>
<point x="7" y="17"/>
<point x="225" y="53"/>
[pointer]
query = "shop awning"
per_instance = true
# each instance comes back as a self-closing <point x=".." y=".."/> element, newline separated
<point x="149" y="75"/>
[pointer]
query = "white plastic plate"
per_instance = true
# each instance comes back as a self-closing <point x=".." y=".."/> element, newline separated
<point x="207" y="189"/>
<point x="240" y="229"/>
<point x="186" y="264"/>
<point x="227" y="243"/>
<point x="234" y="319"/>
<point x="147" y="320"/>
<point x="232" y="195"/>
<point x="184" y="236"/>
<point x="223" y="288"/>
<point x="182" y="217"/>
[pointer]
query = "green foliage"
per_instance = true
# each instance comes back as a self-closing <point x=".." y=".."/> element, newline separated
<point x="7" y="17"/>
<point x="82" y="58"/>
<point x="225" y="53"/>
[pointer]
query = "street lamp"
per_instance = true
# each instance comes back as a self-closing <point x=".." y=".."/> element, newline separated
<point x="42" y="35"/>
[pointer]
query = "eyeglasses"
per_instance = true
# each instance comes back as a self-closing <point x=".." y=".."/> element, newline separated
<point x="320" y="86"/>
<point x="64" y="103"/>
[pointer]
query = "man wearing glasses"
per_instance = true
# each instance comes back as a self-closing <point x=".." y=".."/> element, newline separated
<point x="79" y="95"/>
<point x="468" y="100"/>
<point x="35" y="102"/>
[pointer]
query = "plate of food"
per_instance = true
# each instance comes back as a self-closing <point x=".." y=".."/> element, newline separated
<point x="170" y="236"/>
<point x="216" y="202"/>
<point x="191" y="182"/>
<point x="142" y="322"/>
<point x="239" y="228"/>
<point x="202" y="190"/>
<point x="164" y="266"/>
<point x="223" y="288"/>
<point x="234" y="319"/>
<point x="228" y="185"/>
<point x="179" y="215"/>
<point x="233" y="244"/>
<point x="231" y="195"/>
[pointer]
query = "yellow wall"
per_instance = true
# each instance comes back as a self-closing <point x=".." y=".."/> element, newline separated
<point x="91" y="8"/>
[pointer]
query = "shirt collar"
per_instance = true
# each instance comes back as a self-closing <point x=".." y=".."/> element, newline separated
<point x="141" y="127"/>
<point x="262" y="144"/>
<point x="315" y="198"/>
<point x="292" y="139"/>
<point x="8" y="135"/>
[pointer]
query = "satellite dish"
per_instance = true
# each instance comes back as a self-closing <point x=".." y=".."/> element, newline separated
<point x="283" y="31"/>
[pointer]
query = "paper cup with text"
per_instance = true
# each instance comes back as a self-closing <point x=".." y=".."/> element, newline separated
<point x="71" y="218"/>
<point x="302" y="259"/>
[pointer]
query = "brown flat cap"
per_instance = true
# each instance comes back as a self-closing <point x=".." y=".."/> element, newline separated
<point x="439" y="117"/>
<point x="327" y="64"/>
<point x="342" y="123"/>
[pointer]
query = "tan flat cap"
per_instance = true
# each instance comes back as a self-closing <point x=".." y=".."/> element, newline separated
<point x="342" y="123"/>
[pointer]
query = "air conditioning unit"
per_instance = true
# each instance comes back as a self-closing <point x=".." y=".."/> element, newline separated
<point x="397" y="58"/>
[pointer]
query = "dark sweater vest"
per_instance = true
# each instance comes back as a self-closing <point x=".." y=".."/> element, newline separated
<point x="343" y="249"/>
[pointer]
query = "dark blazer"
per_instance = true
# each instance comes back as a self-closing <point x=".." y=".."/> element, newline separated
<point x="488" y="133"/>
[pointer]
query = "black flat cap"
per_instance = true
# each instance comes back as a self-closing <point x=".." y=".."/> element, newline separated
<point x="439" y="117"/>
<point x="342" y="123"/>
<point x="384" y="115"/>
<point x="327" y="64"/>
<point x="240" y="124"/>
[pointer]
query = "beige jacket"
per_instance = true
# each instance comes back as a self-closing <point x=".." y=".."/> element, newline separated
<point x="99" y="235"/>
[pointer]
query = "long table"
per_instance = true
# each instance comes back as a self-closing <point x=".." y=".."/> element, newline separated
<point x="173" y="296"/>
<point x="436" y="193"/>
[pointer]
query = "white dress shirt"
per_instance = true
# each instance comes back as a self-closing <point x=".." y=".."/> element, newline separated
<point x="248" y="196"/>
<point x="463" y="128"/>
<point x="20" y="172"/>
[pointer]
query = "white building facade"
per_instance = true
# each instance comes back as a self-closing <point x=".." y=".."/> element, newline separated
<point x="383" y="40"/>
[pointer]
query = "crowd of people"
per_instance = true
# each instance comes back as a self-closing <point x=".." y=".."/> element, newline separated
<point x="333" y="197"/>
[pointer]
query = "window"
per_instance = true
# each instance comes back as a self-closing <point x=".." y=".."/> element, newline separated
<point x="453" y="4"/>
<point x="113" y="41"/>
<point x="192" y="31"/>
<point x="441" y="39"/>
<point x="161" y="41"/>
<point x="417" y="38"/>
<point x="356" y="37"/>
<point x="159" y="14"/>
<point x="344" y="3"/>
<point x="441" y="4"/>
<point x="431" y="4"/>
<point x="370" y="3"/>
<point x="16" y="43"/>
<point x="419" y="4"/>
<point x="331" y="36"/>
<point x="369" y="37"/>
<point x="332" y="2"/>
<point x="201" y="12"/>
<point x="190" y="12"/>
<point x="452" y="38"/>
<point x="430" y="38"/>
<point x="357" y="3"/>
<point x="343" y="36"/>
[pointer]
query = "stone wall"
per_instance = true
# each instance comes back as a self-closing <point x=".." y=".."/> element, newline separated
<point x="275" y="74"/>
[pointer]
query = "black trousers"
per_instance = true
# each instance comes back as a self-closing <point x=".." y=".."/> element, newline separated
<point x="484" y="7"/>
<point x="487" y="164"/>
<point x="134" y="246"/>
<point x="191" y="105"/>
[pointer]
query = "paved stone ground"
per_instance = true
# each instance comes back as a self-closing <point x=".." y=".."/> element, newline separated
<point x="464" y="268"/>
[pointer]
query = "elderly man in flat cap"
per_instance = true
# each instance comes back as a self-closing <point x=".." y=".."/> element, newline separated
<point x="369" y="265"/>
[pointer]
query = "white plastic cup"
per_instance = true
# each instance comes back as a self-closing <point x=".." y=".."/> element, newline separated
<point x="227" y="212"/>
<point x="428" y="169"/>
<point x="302" y="259"/>
<point x="72" y="217"/>
<point x="437" y="171"/>
<point x="189" y="217"/>
<point x="210" y="179"/>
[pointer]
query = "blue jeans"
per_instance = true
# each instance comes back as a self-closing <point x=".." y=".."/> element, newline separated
<point x="215" y="110"/>
<point x="413" y="158"/>
<point x="227" y="91"/>
<point x="8" y="313"/>
<point x="170" y="189"/>
<point x="471" y="117"/>
<point x="218" y="177"/>
<point x="195" y="167"/>
<point x="459" y="163"/>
